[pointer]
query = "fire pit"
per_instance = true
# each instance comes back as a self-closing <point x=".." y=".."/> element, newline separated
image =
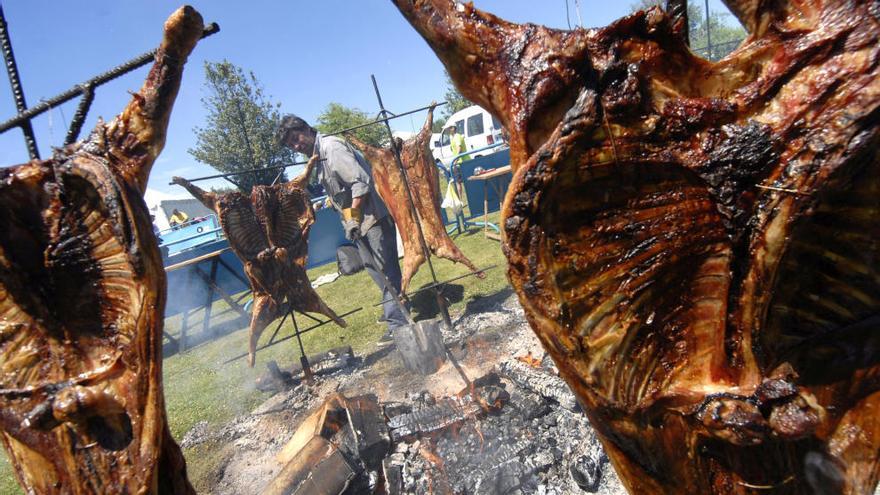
<point x="519" y="430"/>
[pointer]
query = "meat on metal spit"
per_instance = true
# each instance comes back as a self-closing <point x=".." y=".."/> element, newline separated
<point x="82" y="297"/>
<point x="424" y="182"/>
<point x="269" y="233"/>
<point x="697" y="243"/>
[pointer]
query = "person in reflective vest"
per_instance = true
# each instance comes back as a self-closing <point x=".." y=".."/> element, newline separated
<point x="457" y="144"/>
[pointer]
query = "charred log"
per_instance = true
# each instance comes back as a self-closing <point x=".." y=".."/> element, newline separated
<point x="447" y="412"/>
<point x="540" y="382"/>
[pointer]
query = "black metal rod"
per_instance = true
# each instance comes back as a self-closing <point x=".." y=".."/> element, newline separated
<point x="45" y="105"/>
<point x="82" y="110"/>
<point x="278" y="328"/>
<point x="380" y="119"/>
<point x="441" y="302"/>
<point x="303" y="359"/>
<point x="377" y="121"/>
<point x="233" y="174"/>
<point x="310" y="317"/>
<point x="302" y="350"/>
<point x="283" y="339"/>
<point x="247" y="140"/>
<point x="17" y="89"/>
<point x="443" y="282"/>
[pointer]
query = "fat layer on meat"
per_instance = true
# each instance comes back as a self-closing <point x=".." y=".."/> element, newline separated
<point x="696" y="243"/>
<point x="82" y="298"/>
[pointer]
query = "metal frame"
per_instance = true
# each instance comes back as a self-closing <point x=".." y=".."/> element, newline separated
<point x="85" y="89"/>
<point x="378" y="120"/>
<point x="297" y="334"/>
<point x="385" y="116"/>
<point x="17" y="90"/>
<point x="226" y="175"/>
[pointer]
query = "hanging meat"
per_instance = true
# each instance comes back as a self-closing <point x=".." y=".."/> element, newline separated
<point x="424" y="182"/>
<point x="269" y="233"/>
<point x="82" y="297"/>
<point x="697" y="243"/>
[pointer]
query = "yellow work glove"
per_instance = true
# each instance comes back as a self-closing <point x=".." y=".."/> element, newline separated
<point x="353" y="214"/>
<point x="351" y="223"/>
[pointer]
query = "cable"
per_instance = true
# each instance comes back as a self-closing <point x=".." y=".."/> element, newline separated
<point x="567" y="19"/>
<point x="63" y="118"/>
<point x="51" y="127"/>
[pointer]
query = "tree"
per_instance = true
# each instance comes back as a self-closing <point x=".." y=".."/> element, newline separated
<point x="337" y="117"/>
<point x="725" y="37"/>
<point x="239" y="133"/>
<point x="455" y="101"/>
<point x="223" y="190"/>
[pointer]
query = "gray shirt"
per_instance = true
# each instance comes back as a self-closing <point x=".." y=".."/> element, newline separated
<point x="346" y="174"/>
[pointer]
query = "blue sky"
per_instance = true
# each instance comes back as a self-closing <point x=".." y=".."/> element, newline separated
<point x="305" y="53"/>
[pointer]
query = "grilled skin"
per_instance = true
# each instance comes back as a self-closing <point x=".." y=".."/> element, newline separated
<point x="424" y="182"/>
<point x="269" y="233"/>
<point x="697" y="244"/>
<point x="82" y="298"/>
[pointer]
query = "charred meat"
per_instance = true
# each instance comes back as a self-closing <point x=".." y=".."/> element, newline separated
<point x="269" y="233"/>
<point x="424" y="182"/>
<point x="697" y="244"/>
<point x="82" y="298"/>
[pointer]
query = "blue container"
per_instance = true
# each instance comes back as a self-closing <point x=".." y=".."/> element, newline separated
<point x="194" y="233"/>
<point x="326" y="235"/>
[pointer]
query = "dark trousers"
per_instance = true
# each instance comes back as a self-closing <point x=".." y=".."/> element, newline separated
<point x="382" y="240"/>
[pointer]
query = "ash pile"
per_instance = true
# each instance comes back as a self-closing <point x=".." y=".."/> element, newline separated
<point x="516" y="430"/>
<point x="519" y="432"/>
<point x="384" y="429"/>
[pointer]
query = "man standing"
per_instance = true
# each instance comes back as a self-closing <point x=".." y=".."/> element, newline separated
<point x="348" y="181"/>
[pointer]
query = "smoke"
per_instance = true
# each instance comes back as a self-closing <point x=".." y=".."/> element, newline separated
<point x="823" y="473"/>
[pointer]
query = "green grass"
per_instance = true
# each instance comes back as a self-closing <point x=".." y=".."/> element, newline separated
<point x="199" y="387"/>
<point x="7" y="479"/>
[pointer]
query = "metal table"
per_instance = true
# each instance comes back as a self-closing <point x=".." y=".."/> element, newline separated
<point x="487" y="177"/>
<point x="210" y="279"/>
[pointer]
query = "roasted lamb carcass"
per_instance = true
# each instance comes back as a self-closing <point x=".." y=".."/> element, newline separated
<point x="269" y="233"/>
<point x="697" y="244"/>
<point x="82" y="296"/>
<point x="424" y="182"/>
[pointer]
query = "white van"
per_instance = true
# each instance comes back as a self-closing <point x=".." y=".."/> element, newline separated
<point x="479" y="127"/>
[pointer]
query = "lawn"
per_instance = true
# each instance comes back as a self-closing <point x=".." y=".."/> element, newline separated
<point x="199" y="387"/>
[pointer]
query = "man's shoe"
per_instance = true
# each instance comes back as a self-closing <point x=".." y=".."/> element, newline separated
<point x="386" y="337"/>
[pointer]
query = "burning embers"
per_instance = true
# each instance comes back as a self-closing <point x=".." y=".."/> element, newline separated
<point x="537" y="441"/>
<point x="513" y="431"/>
